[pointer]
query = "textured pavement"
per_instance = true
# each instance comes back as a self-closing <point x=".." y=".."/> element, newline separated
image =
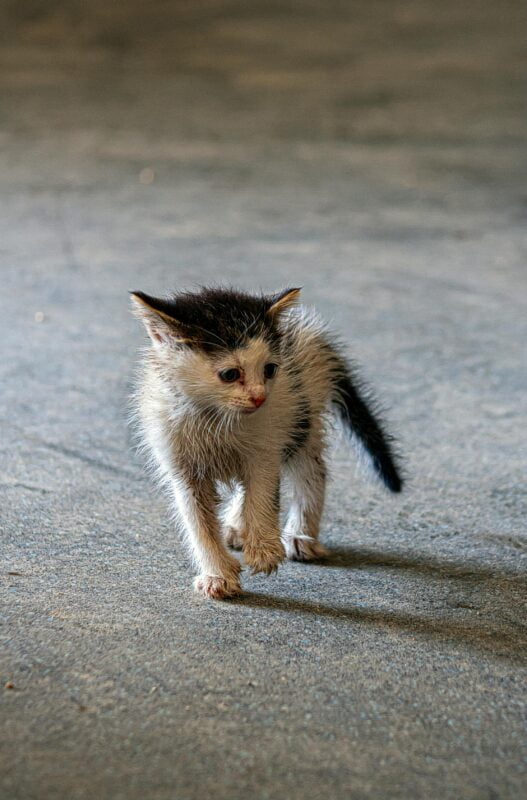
<point x="374" y="153"/>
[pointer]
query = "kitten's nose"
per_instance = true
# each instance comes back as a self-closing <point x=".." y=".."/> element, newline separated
<point x="258" y="401"/>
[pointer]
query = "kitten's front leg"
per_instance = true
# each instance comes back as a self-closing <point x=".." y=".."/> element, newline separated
<point x="262" y="547"/>
<point x="197" y="503"/>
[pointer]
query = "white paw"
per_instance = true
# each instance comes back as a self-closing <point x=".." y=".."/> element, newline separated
<point x="299" y="548"/>
<point x="217" y="588"/>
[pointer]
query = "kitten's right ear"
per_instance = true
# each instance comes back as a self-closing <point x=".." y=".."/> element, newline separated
<point x="161" y="326"/>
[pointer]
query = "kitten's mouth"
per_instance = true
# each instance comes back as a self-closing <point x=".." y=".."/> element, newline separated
<point x="249" y="410"/>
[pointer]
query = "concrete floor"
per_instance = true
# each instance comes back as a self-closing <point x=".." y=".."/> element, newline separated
<point x="375" y="153"/>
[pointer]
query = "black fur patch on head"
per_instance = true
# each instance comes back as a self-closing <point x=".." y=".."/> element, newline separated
<point x="219" y="319"/>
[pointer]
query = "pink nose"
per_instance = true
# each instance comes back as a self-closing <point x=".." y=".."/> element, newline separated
<point x="258" y="401"/>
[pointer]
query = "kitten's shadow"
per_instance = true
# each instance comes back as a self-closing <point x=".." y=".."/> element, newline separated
<point x="358" y="558"/>
<point x="497" y="635"/>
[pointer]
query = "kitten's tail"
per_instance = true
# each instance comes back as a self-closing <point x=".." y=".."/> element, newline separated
<point x="358" y="413"/>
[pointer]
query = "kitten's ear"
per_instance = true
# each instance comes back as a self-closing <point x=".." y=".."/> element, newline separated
<point x="282" y="300"/>
<point x="161" y="326"/>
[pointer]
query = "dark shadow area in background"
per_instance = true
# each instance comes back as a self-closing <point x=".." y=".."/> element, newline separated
<point x="357" y="558"/>
<point x="486" y="633"/>
<point x="510" y="645"/>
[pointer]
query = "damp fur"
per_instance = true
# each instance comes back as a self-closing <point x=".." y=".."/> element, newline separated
<point x="208" y="435"/>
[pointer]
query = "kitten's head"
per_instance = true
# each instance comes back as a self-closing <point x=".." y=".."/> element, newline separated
<point x="220" y="347"/>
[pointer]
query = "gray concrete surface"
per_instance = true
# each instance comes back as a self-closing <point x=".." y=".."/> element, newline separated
<point x="375" y="153"/>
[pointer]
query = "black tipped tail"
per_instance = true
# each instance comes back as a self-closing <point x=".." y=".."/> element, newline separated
<point x="362" y="423"/>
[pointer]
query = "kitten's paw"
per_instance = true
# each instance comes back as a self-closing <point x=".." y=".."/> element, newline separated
<point x="264" y="557"/>
<point x="304" y="549"/>
<point x="234" y="538"/>
<point x="217" y="588"/>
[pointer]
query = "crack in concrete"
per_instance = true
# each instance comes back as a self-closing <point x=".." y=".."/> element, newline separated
<point x="21" y="485"/>
<point x="92" y="462"/>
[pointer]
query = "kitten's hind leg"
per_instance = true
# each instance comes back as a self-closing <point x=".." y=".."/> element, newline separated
<point x="197" y="504"/>
<point x="233" y="519"/>
<point x="308" y="477"/>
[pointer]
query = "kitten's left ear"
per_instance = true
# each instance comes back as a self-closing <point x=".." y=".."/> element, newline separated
<point x="282" y="300"/>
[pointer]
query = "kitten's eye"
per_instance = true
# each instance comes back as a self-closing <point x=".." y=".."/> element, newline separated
<point x="270" y="370"/>
<point x="229" y="375"/>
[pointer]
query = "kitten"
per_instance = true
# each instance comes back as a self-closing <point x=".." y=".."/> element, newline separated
<point x="236" y="391"/>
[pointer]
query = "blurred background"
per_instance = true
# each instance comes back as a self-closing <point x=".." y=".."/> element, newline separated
<point x="375" y="154"/>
